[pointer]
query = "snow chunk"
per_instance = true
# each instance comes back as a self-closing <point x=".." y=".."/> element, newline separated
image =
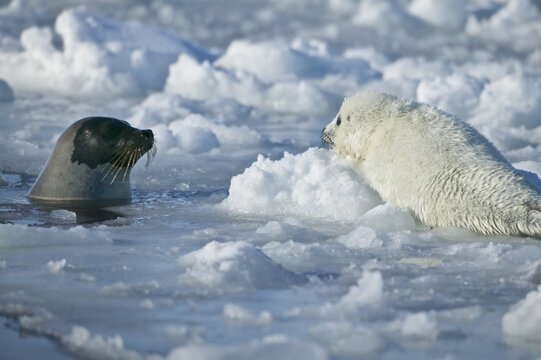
<point x="55" y="267"/>
<point x="231" y="267"/>
<point x="346" y="340"/>
<point x="35" y="321"/>
<point x="457" y="94"/>
<point x="274" y="63"/>
<point x="100" y="57"/>
<point x="447" y="14"/>
<point x="287" y="187"/>
<point x="270" y="347"/>
<point x="515" y="24"/>
<point x="385" y="15"/>
<point x="28" y="236"/>
<point x="485" y="255"/>
<point x="361" y="237"/>
<point x="270" y="62"/>
<point x="416" y="68"/>
<point x="197" y="134"/>
<point x="147" y="304"/>
<point x="419" y="326"/>
<point x="317" y="257"/>
<point x="368" y="292"/>
<point x="191" y="79"/>
<point x="65" y="215"/>
<point x="513" y="100"/>
<point x="375" y="59"/>
<point x="193" y="137"/>
<point x="81" y="342"/>
<point x="239" y="315"/>
<point x="523" y="320"/>
<point x="270" y="228"/>
<point x="388" y="217"/>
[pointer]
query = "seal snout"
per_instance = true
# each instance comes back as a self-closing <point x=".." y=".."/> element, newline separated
<point x="327" y="139"/>
<point x="144" y="139"/>
<point x="146" y="134"/>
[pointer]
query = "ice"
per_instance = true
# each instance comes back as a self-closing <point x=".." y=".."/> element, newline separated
<point x="100" y="57"/>
<point x="519" y="102"/>
<point x="197" y="134"/>
<point x="6" y="92"/>
<point x="415" y="69"/>
<point x="389" y="13"/>
<point x="231" y="267"/>
<point x="239" y="315"/>
<point x="419" y="326"/>
<point x="448" y="14"/>
<point x="83" y="342"/>
<point x="65" y="215"/>
<point x="272" y="347"/>
<point x="523" y="320"/>
<point x="245" y="238"/>
<point x="270" y="62"/>
<point x="360" y="238"/>
<point x="286" y="187"/>
<point x="457" y="94"/>
<point x="15" y="236"/>
<point x="367" y="292"/>
<point x="196" y="80"/>
<point x="347" y="341"/>
<point x="55" y="267"/>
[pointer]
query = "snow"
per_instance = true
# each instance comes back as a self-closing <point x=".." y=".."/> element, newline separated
<point x="6" y="92"/>
<point x="245" y="238"/>
<point x="55" y="267"/>
<point x="448" y="14"/>
<point x="231" y="267"/>
<point x="287" y="187"/>
<point x="419" y="326"/>
<point x="523" y="320"/>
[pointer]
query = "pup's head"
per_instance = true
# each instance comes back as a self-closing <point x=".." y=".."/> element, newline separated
<point x="349" y="132"/>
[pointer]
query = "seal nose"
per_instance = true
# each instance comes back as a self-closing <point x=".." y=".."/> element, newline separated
<point x="146" y="134"/>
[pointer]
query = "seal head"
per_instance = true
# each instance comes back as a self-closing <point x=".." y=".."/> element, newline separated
<point x="91" y="162"/>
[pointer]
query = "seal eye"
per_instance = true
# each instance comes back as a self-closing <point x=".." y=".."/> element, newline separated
<point x="338" y="121"/>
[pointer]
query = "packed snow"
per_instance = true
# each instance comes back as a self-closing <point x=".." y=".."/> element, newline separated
<point x="246" y="238"/>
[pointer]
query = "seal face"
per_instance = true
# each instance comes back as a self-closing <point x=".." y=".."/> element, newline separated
<point x="436" y="165"/>
<point x="92" y="161"/>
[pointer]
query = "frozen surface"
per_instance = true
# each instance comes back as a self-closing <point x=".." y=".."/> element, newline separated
<point x="245" y="238"/>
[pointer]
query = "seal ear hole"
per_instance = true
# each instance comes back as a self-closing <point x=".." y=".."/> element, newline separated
<point x="348" y="117"/>
<point x="338" y="121"/>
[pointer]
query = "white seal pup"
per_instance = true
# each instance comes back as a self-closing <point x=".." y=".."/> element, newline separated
<point x="438" y="166"/>
<point x="91" y="163"/>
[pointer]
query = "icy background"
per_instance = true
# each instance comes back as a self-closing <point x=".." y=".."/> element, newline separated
<point x="246" y="239"/>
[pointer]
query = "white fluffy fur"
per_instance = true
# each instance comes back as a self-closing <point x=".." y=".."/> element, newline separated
<point x="438" y="166"/>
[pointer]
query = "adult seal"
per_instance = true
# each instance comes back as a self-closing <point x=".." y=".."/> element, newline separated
<point x="438" y="166"/>
<point x="91" y="164"/>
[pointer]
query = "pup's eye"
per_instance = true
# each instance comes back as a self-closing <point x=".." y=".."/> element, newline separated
<point x="338" y="121"/>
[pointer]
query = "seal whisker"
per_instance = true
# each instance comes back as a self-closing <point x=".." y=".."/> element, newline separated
<point x="117" y="163"/>
<point x="150" y="155"/>
<point x="128" y="166"/>
<point x="122" y="163"/>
